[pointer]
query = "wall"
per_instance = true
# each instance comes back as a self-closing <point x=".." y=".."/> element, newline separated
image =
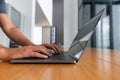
<point x="4" y="40"/>
<point x="25" y="7"/>
<point x="47" y="7"/>
<point x="29" y="29"/>
<point x="116" y="28"/>
<point x="70" y="21"/>
<point x="20" y="5"/>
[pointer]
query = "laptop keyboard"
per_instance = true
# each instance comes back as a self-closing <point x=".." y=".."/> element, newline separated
<point x="60" y="56"/>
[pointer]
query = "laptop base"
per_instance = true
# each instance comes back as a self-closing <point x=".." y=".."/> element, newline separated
<point x="63" y="57"/>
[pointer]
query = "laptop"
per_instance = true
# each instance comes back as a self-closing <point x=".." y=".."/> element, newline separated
<point x="76" y="49"/>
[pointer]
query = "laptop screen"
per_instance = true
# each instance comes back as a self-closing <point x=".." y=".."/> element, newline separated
<point x="83" y="36"/>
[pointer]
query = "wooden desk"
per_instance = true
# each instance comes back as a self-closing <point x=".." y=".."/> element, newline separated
<point x="95" y="64"/>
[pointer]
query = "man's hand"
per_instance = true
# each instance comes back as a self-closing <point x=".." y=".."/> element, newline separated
<point x="41" y="51"/>
<point x="52" y="47"/>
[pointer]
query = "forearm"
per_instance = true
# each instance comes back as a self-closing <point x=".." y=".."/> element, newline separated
<point x="12" y="32"/>
<point x="15" y="35"/>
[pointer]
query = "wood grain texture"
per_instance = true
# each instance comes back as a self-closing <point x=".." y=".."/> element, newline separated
<point x="95" y="64"/>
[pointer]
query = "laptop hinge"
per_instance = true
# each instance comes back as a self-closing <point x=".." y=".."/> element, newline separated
<point x="74" y="57"/>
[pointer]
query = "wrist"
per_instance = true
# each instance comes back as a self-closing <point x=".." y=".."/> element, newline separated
<point x="4" y="54"/>
<point x="29" y="44"/>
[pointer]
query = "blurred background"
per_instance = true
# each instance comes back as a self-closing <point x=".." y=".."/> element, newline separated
<point x="107" y="34"/>
<point x="58" y="21"/>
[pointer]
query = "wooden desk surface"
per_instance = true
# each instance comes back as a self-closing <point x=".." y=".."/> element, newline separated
<point x="95" y="64"/>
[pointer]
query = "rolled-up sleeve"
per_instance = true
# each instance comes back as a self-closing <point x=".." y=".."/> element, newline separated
<point x="3" y="8"/>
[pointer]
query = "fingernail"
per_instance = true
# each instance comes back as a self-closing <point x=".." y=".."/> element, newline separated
<point x="45" y="56"/>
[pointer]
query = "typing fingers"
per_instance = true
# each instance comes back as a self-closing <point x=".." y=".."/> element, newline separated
<point x="38" y="55"/>
<point x="52" y="46"/>
<point x="42" y="50"/>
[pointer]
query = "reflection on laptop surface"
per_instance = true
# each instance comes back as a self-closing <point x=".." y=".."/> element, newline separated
<point x="76" y="49"/>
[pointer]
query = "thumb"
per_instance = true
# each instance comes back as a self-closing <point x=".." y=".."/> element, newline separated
<point x="39" y="55"/>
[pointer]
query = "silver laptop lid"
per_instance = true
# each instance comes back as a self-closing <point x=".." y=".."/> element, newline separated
<point x="83" y="36"/>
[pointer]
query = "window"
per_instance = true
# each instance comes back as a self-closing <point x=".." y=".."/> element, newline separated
<point x="106" y="35"/>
